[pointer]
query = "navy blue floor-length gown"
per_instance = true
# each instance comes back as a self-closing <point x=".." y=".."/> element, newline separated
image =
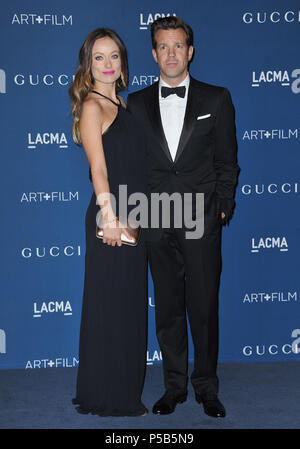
<point x="113" y="331"/>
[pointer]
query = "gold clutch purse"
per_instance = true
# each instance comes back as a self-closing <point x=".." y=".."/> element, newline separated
<point x="134" y="234"/>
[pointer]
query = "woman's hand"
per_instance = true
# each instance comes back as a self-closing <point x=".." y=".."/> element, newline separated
<point x="112" y="233"/>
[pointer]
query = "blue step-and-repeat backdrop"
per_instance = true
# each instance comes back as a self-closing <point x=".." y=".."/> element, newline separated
<point x="252" y="48"/>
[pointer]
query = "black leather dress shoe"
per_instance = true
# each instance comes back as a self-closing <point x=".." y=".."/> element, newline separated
<point x="212" y="406"/>
<point x="167" y="403"/>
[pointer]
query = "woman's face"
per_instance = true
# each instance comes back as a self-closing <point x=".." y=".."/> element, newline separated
<point x="106" y="61"/>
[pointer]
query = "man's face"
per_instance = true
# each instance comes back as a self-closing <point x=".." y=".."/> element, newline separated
<point x="172" y="55"/>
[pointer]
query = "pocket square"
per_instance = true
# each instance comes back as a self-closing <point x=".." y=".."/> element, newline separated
<point x="201" y="117"/>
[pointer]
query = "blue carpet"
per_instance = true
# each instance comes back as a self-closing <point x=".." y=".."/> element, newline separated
<point x="256" y="396"/>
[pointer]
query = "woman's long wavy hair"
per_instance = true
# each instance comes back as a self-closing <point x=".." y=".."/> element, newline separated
<point x="84" y="81"/>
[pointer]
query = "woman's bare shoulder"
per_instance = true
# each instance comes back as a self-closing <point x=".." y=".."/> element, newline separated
<point x="91" y="112"/>
<point x="91" y="105"/>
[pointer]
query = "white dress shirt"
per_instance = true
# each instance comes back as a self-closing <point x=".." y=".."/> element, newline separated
<point x="172" y="112"/>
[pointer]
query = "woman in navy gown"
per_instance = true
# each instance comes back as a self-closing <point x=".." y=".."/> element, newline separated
<point x="113" y="331"/>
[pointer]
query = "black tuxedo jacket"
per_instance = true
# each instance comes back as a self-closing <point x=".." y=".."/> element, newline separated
<point x="206" y="158"/>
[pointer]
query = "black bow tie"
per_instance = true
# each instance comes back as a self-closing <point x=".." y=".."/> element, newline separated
<point x="166" y="91"/>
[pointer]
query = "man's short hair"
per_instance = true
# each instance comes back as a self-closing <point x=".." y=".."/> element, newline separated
<point x="171" y="23"/>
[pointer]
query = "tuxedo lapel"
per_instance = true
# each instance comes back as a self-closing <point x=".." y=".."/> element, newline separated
<point x="152" y="105"/>
<point x="189" y="118"/>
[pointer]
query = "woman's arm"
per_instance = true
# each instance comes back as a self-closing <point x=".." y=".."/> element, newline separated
<point x="91" y="122"/>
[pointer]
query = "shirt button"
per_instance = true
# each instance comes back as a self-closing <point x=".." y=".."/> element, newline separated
<point x="176" y="172"/>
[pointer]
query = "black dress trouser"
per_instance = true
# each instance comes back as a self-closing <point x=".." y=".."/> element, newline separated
<point x="186" y="276"/>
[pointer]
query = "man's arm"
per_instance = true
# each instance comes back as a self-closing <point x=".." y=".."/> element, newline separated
<point x="225" y="159"/>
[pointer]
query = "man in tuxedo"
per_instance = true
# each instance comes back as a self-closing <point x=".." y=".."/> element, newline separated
<point x="190" y="128"/>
